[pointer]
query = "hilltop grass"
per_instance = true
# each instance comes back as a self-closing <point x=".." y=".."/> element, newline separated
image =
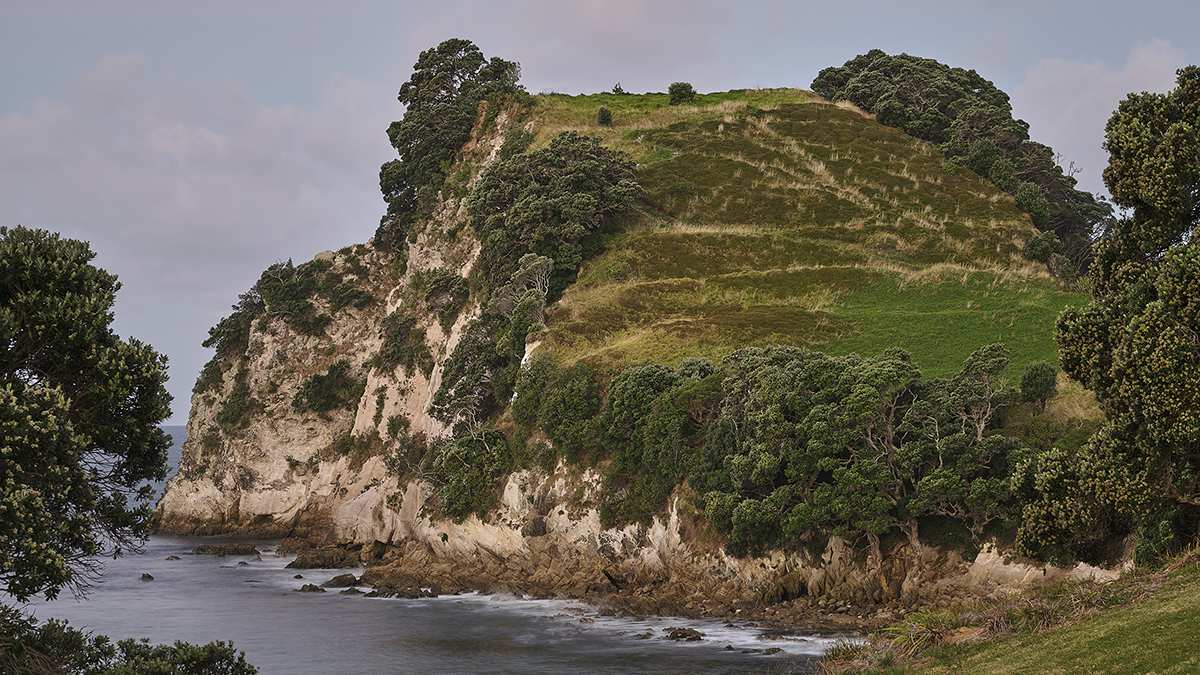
<point x="1146" y="622"/>
<point x="772" y="216"/>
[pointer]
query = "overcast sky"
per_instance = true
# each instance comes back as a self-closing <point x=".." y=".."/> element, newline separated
<point x="194" y="144"/>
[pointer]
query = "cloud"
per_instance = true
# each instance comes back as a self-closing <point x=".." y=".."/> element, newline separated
<point x="187" y="190"/>
<point x="1068" y="103"/>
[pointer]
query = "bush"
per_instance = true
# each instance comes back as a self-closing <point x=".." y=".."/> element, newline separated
<point x="403" y="345"/>
<point x="604" y="117"/>
<point x="464" y="472"/>
<point x="1003" y="175"/>
<point x="1042" y="247"/>
<point x="337" y="388"/>
<point x="950" y="168"/>
<point x="1039" y="383"/>
<point x="982" y="154"/>
<point x="1031" y="200"/>
<point x="681" y="92"/>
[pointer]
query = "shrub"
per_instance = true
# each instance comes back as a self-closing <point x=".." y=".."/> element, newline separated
<point x="1031" y="200"/>
<point x="1042" y="247"/>
<point x="239" y="407"/>
<point x="681" y="92"/>
<point x="337" y="388"/>
<point x="403" y="345"/>
<point x="464" y="472"/>
<point x="982" y="154"/>
<point x="604" y="117"/>
<point x="1003" y="175"/>
<point x="950" y="168"/>
<point x="1039" y="383"/>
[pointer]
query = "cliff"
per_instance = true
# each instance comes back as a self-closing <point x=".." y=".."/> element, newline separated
<point x="314" y="424"/>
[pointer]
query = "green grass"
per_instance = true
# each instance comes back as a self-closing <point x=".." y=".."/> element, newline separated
<point x="941" y="323"/>
<point x="1158" y="635"/>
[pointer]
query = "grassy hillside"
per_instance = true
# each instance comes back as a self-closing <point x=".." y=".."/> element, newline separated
<point x="775" y="217"/>
<point x="1145" y="622"/>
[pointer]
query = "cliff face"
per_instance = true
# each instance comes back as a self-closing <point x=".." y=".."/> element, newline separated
<point x="284" y="467"/>
<point x="279" y="446"/>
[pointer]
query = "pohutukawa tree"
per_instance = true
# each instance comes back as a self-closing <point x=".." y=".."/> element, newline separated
<point x="1137" y="346"/>
<point x="79" y="410"/>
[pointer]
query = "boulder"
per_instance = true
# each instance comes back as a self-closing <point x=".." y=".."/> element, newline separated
<point x="341" y="581"/>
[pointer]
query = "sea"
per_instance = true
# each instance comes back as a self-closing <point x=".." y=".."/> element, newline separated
<point x="164" y="594"/>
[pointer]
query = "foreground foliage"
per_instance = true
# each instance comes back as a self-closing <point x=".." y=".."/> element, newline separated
<point x="79" y="410"/>
<point x="1066" y="627"/>
<point x="56" y="648"/>
<point x="1136" y="346"/>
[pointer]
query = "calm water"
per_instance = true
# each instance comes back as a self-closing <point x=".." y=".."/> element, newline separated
<point x="253" y="602"/>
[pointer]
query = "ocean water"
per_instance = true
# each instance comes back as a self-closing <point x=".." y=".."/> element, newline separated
<point x="253" y="601"/>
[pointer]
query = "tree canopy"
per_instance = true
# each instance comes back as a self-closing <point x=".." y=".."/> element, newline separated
<point x="1137" y="345"/>
<point x="79" y="410"/>
<point x="442" y="101"/>
<point x="807" y="442"/>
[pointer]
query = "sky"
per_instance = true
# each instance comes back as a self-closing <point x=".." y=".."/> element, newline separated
<point x="195" y="144"/>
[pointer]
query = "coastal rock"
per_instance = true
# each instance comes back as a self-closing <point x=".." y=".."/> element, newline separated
<point x="223" y="550"/>
<point x="341" y="581"/>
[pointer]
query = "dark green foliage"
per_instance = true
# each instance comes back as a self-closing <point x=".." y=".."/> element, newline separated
<point x="287" y="291"/>
<point x="337" y="388"/>
<point x="982" y="154"/>
<point x="1135" y="346"/>
<point x="57" y="648"/>
<point x="442" y="101"/>
<point x="1039" y="383"/>
<point x="1031" y="200"/>
<point x="807" y="442"/>
<point x="1042" y="246"/>
<point x="968" y="117"/>
<point x="950" y="168"/>
<point x="547" y="202"/>
<point x="604" y="117"/>
<point x="465" y="396"/>
<point x="231" y="336"/>
<point x="651" y="426"/>
<point x="445" y="293"/>
<point x="79" y="415"/>
<point x="681" y="92"/>
<point x="465" y="471"/>
<point x="284" y="291"/>
<point x="239" y="407"/>
<point x="403" y="345"/>
<point x="1003" y="175"/>
<point x="562" y="403"/>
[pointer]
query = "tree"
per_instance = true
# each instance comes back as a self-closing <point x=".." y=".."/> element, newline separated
<point x="442" y="104"/>
<point x="79" y="410"/>
<point x="681" y="92"/>
<point x="546" y="202"/>
<point x="1137" y="345"/>
<point x="1039" y="383"/>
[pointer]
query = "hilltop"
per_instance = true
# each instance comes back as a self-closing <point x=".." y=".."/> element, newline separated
<point x="775" y="217"/>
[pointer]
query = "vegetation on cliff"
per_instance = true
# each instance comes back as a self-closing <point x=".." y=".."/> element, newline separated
<point x="971" y="122"/>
